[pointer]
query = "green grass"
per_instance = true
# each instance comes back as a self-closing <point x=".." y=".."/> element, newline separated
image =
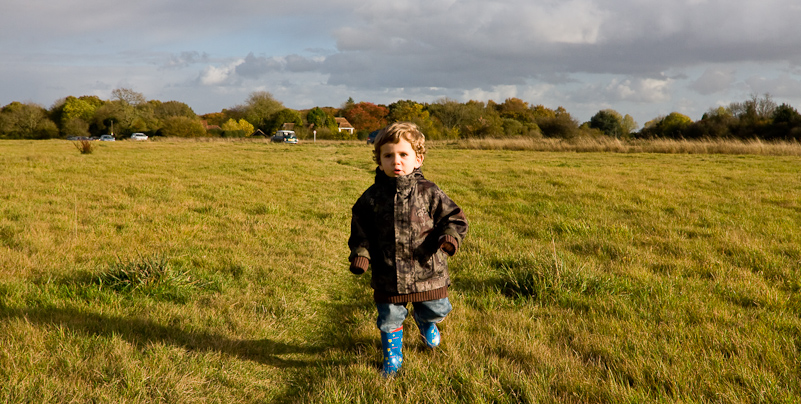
<point x="216" y="272"/>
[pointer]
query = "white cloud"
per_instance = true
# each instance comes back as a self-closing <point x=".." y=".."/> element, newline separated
<point x="639" y="90"/>
<point x="215" y="76"/>
<point x="497" y="93"/>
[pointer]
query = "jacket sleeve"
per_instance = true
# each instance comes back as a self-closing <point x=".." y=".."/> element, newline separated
<point x="450" y="221"/>
<point x="359" y="242"/>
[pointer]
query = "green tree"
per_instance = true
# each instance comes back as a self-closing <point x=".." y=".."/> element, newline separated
<point x="26" y="121"/>
<point x="75" y="127"/>
<point x="162" y="110"/>
<point x="182" y="126"/>
<point x="71" y="108"/>
<point x="716" y="123"/>
<point x="786" y="123"/>
<point x="673" y="126"/>
<point x="786" y="114"/>
<point x="410" y="111"/>
<point x="451" y="114"/>
<point x="283" y="116"/>
<point x="260" y="110"/>
<point x="112" y="114"/>
<point x="481" y="121"/>
<point x="127" y="112"/>
<point x="556" y="123"/>
<point x="608" y="121"/>
<point x="628" y="125"/>
<point x="322" y="122"/>
<point x="348" y="104"/>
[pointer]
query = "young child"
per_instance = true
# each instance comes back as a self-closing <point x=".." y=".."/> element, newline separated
<point x="403" y="227"/>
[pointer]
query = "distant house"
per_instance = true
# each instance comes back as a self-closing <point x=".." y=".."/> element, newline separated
<point x="258" y="132"/>
<point x="288" y="126"/>
<point x="344" y="125"/>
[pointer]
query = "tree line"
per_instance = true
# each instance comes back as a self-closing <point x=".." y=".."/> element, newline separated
<point x="129" y="111"/>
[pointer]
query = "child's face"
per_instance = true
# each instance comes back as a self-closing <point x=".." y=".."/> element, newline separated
<point x="399" y="159"/>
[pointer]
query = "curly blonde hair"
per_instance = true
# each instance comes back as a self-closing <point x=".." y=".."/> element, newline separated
<point x="397" y="131"/>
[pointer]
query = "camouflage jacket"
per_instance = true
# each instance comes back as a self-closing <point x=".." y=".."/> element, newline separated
<point x="397" y="224"/>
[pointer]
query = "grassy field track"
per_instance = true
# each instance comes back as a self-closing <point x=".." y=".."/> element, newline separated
<point x="216" y="272"/>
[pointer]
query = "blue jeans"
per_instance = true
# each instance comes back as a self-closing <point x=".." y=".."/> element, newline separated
<point x="391" y="315"/>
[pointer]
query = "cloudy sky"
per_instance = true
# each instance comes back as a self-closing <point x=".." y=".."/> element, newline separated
<point x="645" y="58"/>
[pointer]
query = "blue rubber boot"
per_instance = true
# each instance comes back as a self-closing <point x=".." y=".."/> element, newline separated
<point x="430" y="333"/>
<point x="392" y="344"/>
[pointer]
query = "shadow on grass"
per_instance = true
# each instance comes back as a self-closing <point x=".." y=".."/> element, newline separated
<point x="141" y="332"/>
<point x="347" y="349"/>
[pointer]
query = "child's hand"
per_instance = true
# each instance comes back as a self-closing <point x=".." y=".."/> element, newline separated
<point x="359" y="265"/>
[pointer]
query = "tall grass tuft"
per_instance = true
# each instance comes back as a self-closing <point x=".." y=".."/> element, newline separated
<point x="84" y="146"/>
<point x="153" y="276"/>
<point x="541" y="278"/>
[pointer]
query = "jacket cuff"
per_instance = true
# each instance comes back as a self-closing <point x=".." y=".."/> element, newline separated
<point x="359" y="265"/>
<point x="448" y="244"/>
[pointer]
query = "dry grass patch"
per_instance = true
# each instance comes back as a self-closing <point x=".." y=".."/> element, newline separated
<point x="604" y="144"/>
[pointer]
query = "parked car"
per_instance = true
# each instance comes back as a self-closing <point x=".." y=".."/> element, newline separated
<point x="107" y="138"/>
<point x="372" y="135"/>
<point x="138" y="136"/>
<point x="285" y="136"/>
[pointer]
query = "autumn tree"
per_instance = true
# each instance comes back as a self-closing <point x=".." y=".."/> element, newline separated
<point x="217" y="118"/>
<point x="518" y="118"/>
<point x="366" y="117"/>
<point x="234" y="128"/>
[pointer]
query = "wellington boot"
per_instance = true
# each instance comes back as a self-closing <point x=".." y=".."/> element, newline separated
<point x="392" y="344"/>
<point x="430" y="334"/>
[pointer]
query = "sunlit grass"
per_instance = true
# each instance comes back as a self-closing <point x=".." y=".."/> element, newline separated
<point x="183" y="271"/>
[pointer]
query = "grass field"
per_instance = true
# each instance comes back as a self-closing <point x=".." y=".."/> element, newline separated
<point x="187" y="272"/>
